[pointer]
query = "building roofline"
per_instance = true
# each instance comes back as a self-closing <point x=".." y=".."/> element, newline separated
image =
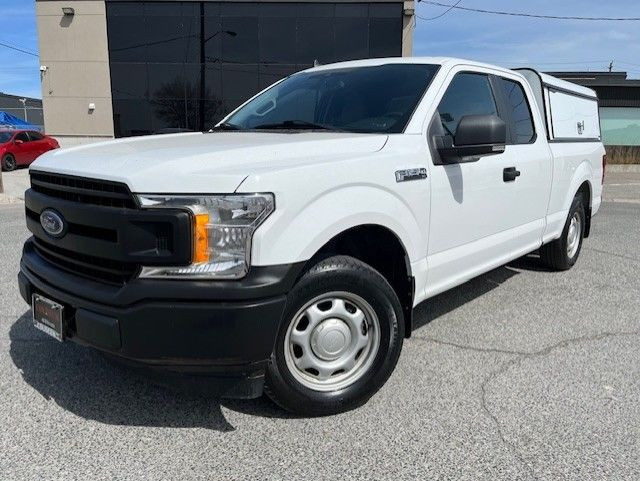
<point x="598" y="78"/>
<point x="17" y="97"/>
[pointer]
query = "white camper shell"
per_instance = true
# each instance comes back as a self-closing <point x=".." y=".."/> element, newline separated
<point x="570" y="110"/>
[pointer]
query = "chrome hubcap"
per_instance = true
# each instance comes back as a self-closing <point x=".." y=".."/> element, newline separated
<point x="573" y="235"/>
<point x="332" y="341"/>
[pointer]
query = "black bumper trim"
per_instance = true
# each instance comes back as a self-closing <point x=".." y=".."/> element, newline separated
<point x="261" y="282"/>
<point x="222" y="331"/>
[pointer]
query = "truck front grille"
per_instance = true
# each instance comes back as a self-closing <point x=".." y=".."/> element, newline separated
<point x="85" y="191"/>
<point x="94" y="268"/>
<point x="107" y="236"/>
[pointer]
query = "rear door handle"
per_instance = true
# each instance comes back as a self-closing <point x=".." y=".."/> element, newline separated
<point x="509" y="174"/>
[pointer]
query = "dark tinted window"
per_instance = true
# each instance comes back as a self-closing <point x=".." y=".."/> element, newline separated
<point x="520" y="121"/>
<point x="468" y="94"/>
<point x="5" y="137"/>
<point x="382" y="35"/>
<point x="314" y="40"/>
<point x="365" y="99"/>
<point x="277" y="43"/>
<point x="22" y="136"/>
<point x="186" y="63"/>
<point x="36" y="135"/>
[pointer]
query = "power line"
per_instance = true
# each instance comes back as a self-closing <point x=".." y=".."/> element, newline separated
<point x="442" y="14"/>
<point x="530" y="15"/>
<point x="17" y="49"/>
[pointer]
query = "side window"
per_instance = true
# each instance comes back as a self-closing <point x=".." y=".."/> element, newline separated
<point x="468" y="94"/>
<point x="35" y="136"/>
<point x="521" y="123"/>
<point x="22" y="136"/>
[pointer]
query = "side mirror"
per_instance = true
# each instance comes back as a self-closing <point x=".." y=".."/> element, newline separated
<point x="477" y="135"/>
<point x="18" y="141"/>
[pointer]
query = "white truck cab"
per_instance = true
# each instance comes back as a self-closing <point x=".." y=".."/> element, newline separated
<point x="286" y="249"/>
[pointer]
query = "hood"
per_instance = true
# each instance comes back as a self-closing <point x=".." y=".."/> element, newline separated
<point x="203" y="163"/>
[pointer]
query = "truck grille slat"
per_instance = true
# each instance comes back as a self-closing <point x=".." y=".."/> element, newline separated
<point x="86" y="191"/>
<point x="91" y="192"/>
<point x="86" y="266"/>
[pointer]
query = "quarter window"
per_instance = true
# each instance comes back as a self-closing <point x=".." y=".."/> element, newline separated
<point x="35" y="136"/>
<point x="468" y="94"/>
<point x="520" y="121"/>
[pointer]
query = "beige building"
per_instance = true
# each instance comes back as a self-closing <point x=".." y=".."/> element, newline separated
<point x="114" y="68"/>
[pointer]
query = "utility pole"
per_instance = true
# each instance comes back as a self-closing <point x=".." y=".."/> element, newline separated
<point x="24" y="105"/>
<point x="610" y="66"/>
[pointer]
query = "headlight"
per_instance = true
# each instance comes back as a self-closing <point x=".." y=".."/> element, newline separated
<point x="223" y="226"/>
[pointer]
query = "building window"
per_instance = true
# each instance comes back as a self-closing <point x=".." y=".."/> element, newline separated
<point x="184" y="65"/>
<point x="620" y="125"/>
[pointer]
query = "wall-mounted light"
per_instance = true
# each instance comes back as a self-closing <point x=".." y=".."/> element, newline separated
<point x="68" y="11"/>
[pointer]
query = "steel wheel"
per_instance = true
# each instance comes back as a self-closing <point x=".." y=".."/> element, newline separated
<point x="332" y="341"/>
<point x="573" y="235"/>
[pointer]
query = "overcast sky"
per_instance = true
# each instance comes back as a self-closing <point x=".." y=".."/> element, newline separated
<point x="505" y="40"/>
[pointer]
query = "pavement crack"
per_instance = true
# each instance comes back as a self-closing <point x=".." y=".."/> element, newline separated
<point x="473" y="348"/>
<point x="600" y="251"/>
<point x="517" y="361"/>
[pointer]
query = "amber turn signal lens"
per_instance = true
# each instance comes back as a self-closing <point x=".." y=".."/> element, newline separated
<point x="201" y="240"/>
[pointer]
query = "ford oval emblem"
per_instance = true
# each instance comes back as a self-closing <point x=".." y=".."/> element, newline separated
<point x="52" y="223"/>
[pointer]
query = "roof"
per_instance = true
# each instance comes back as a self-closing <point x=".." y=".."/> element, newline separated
<point x="18" y="97"/>
<point x="598" y="79"/>
<point x="452" y="61"/>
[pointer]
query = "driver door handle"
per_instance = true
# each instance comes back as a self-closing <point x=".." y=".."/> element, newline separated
<point x="509" y="174"/>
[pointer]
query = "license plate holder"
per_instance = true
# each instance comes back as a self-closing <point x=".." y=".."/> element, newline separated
<point x="48" y="316"/>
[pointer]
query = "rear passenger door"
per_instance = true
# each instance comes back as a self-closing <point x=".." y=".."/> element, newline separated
<point x="528" y="154"/>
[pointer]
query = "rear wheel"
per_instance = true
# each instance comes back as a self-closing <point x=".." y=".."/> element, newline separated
<point x="8" y="163"/>
<point x="339" y="341"/>
<point x="562" y="253"/>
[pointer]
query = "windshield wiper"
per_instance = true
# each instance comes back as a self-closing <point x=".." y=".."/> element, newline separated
<point x="226" y="126"/>
<point x="297" y="125"/>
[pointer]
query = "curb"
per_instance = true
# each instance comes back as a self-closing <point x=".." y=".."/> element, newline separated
<point x="635" y="168"/>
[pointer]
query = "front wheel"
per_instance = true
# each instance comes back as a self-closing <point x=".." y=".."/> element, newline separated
<point x="340" y="339"/>
<point x="562" y="253"/>
<point x="8" y="163"/>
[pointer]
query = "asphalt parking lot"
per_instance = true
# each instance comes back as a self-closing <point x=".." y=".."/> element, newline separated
<point x="518" y="374"/>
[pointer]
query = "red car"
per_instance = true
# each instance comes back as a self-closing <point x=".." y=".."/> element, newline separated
<point x="21" y="147"/>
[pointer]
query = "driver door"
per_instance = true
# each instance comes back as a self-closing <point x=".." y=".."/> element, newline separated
<point x="472" y="213"/>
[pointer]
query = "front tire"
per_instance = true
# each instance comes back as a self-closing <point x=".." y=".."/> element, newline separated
<point x="8" y="163"/>
<point x="561" y="254"/>
<point x="339" y="341"/>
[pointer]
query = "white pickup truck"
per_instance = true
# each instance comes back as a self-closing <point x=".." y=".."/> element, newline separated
<point x="286" y="249"/>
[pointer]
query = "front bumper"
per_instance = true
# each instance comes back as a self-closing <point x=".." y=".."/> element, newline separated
<point x="224" y="331"/>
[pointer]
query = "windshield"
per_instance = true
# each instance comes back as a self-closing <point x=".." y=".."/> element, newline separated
<point x="378" y="99"/>
<point x="5" y="137"/>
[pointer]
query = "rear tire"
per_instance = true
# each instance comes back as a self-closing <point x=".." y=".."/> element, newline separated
<point x="561" y="254"/>
<point x="8" y="163"/>
<point x="339" y="341"/>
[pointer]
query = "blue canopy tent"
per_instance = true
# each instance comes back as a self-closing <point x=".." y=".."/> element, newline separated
<point x="8" y="121"/>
